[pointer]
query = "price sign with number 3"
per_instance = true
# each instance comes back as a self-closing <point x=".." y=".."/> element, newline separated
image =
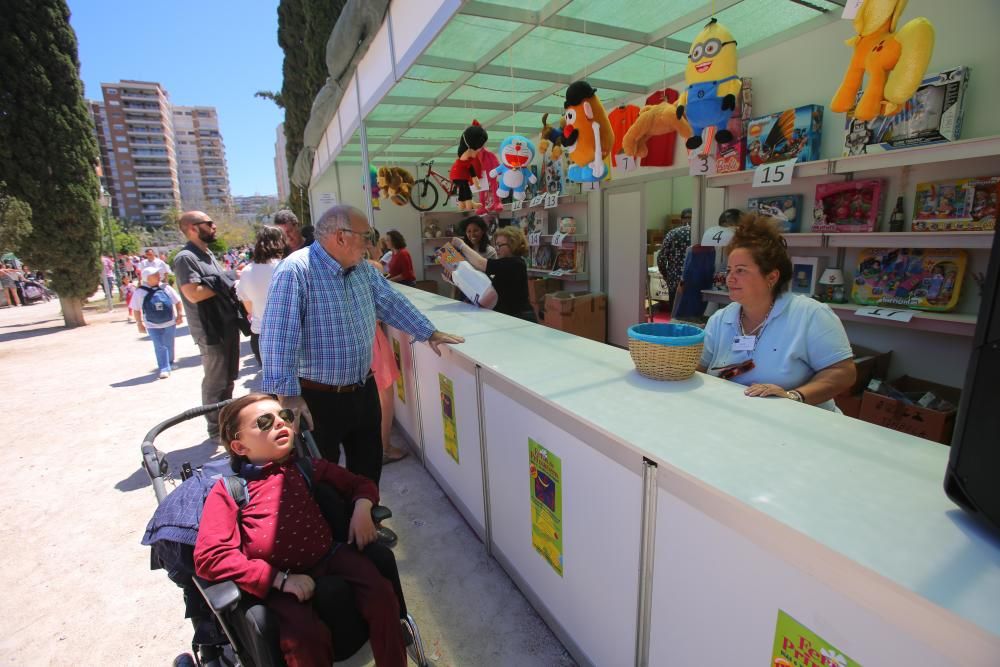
<point x="700" y="164"/>
<point x="773" y="173"/>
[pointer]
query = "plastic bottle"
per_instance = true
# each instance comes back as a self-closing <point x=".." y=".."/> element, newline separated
<point x="896" y="220"/>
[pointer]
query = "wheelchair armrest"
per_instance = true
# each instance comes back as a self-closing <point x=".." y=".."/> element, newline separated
<point x="380" y="513"/>
<point x="221" y="597"/>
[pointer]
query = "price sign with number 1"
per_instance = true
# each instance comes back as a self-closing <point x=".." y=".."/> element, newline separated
<point x="536" y="200"/>
<point x="773" y="173"/>
<point x="551" y="200"/>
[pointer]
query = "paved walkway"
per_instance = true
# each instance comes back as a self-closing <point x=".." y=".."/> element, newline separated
<point x="77" y="588"/>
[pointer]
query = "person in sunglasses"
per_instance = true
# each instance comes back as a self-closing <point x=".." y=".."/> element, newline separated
<point x="279" y="543"/>
<point x="776" y="343"/>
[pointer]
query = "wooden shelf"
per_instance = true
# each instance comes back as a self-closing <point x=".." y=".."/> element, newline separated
<point x="955" y="324"/>
<point x="575" y="238"/>
<point x="438" y="239"/>
<point x="566" y="276"/>
<point x="910" y="240"/>
<point x="965" y="149"/>
<point x="563" y="201"/>
<point x="804" y="240"/>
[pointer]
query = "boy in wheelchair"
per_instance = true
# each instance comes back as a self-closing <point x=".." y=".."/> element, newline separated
<point x="278" y="546"/>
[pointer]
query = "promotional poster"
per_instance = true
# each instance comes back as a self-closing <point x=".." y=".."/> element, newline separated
<point x="546" y="504"/>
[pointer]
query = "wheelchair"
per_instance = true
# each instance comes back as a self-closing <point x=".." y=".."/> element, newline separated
<point x="232" y="628"/>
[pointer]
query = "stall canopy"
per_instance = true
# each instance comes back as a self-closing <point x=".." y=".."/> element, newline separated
<point x="507" y="62"/>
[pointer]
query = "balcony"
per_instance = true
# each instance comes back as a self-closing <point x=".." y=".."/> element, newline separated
<point x="151" y="153"/>
<point x="138" y="95"/>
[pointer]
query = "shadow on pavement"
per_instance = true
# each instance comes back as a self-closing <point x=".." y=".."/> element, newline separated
<point x="196" y="455"/>
<point x="30" y="333"/>
<point x="30" y="324"/>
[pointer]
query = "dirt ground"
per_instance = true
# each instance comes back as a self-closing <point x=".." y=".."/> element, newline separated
<point x="77" y="587"/>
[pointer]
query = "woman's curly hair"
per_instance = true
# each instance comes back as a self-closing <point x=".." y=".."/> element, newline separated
<point x="270" y="245"/>
<point x="759" y="234"/>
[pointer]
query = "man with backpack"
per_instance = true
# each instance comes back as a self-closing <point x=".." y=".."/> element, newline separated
<point x="158" y="311"/>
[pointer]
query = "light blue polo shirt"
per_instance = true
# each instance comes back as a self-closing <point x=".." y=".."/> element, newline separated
<point x="802" y="336"/>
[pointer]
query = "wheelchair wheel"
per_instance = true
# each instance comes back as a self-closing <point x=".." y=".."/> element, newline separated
<point x="424" y="195"/>
<point x="184" y="660"/>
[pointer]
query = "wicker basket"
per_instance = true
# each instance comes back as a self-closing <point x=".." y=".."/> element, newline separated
<point x="666" y="351"/>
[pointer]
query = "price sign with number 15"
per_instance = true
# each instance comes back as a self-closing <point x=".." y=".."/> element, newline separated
<point x="773" y="173"/>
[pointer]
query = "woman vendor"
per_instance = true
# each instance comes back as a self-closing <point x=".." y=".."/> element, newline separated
<point x="508" y="271"/>
<point x="775" y="343"/>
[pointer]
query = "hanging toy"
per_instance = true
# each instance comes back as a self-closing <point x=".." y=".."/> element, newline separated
<point x="587" y="137"/>
<point x="513" y="174"/>
<point x="395" y="182"/>
<point x="653" y="120"/>
<point x="551" y="137"/>
<point x="895" y="61"/>
<point x="712" y="86"/>
<point x="373" y="186"/>
<point x="466" y="170"/>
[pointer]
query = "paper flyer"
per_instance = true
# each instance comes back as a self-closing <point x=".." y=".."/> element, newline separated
<point x="448" y="256"/>
<point x="400" y="381"/>
<point x="448" y="416"/>
<point x="795" y="645"/>
<point x="546" y="504"/>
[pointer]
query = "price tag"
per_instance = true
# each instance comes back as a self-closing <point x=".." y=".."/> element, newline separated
<point x="701" y="165"/>
<point x="517" y="205"/>
<point x="551" y="200"/>
<point x="557" y="239"/>
<point x="535" y="238"/>
<point x="885" y="313"/>
<point x="536" y="200"/>
<point x="774" y="173"/>
<point x="717" y="236"/>
<point x="851" y="9"/>
<point x="626" y="163"/>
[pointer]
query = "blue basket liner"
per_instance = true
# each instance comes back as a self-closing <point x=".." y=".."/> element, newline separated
<point x="676" y="335"/>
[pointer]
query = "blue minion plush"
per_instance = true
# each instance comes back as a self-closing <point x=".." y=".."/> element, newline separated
<point x="513" y="175"/>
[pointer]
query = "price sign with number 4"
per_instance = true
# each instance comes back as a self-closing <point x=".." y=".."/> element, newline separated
<point x="773" y="173"/>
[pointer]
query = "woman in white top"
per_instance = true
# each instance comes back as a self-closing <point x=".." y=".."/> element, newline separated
<point x="256" y="278"/>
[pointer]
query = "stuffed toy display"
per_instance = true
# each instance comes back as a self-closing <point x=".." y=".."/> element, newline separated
<point x="373" y="186"/>
<point x="513" y="174"/>
<point x="396" y="183"/>
<point x="588" y="136"/>
<point x="464" y="172"/>
<point x="488" y="201"/>
<point x="895" y="61"/>
<point x="653" y="120"/>
<point x="712" y="86"/>
<point x="551" y="137"/>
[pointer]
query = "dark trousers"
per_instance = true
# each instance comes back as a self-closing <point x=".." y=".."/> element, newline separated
<point x="221" y="364"/>
<point x="255" y="346"/>
<point x="303" y="634"/>
<point x="353" y="420"/>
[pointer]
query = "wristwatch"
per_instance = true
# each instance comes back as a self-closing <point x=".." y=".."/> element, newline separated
<point x="795" y="396"/>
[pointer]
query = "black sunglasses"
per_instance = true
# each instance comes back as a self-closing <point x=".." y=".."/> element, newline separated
<point x="205" y="222"/>
<point x="265" y="422"/>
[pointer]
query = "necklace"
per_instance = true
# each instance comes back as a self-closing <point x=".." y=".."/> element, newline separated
<point x="760" y="327"/>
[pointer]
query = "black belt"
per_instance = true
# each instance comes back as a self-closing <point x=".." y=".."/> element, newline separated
<point x="333" y="388"/>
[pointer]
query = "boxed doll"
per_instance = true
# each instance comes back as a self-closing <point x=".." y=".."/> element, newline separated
<point x="933" y="115"/>
<point x="730" y="157"/>
<point x="792" y="133"/>
<point x="848" y="206"/>
<point x="784" y="208"/>
<point x="968" y="204"/>
<point x="915" y="278"/>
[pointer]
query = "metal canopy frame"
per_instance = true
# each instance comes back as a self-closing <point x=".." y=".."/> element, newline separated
<point x="411" y="121"/>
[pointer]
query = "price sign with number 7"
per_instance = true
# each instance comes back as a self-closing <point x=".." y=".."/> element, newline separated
<point x="773" y="173"/>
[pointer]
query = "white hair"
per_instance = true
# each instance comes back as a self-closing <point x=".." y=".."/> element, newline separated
<point x="338" y="217"/>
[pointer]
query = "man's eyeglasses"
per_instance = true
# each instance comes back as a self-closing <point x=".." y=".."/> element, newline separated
<point x="265" y="422"/>
<point x="707" y="49"/>
<point x="503" y="245"/>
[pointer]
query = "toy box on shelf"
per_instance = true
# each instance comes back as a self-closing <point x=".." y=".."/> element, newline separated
<point x="964" y="205"/>
<point x="792" y="133"/>
<point x="915" y="278"/>
<point x="848" y="206"/>
<point x="784" y="208"/>
<point x="730" y="157"/>
<point x="933" y="115"/>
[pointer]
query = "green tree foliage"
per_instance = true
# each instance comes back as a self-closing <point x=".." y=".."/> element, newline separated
<point x="15" y="222"/>
<point x="126" y="239"/>
<point x="304" y="27"/>
<point x="47" y="147"/>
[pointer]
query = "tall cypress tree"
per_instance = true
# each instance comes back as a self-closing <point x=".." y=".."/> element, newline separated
<point x="47" y="147"/>
<point x="304" y="27"/>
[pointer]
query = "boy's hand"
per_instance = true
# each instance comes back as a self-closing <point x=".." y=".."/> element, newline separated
<point x="362" y="531"/>
<point x="299" y="585"/>
<point x="180" y="318"/>
<point x="142" y="328"/>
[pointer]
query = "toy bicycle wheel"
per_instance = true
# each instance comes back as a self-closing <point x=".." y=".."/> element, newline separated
<point x="424" y="195"/>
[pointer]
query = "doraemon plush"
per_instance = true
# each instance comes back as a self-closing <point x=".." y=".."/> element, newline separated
<point x="513" y="174"/>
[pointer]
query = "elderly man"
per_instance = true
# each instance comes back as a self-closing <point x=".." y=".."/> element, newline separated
<point x="212" y="317"/>
<point x="296" y="237"/>
<point x="318" y="333"/>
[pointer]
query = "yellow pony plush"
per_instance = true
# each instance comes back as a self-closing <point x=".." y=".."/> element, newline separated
<point x="895" y="61"/>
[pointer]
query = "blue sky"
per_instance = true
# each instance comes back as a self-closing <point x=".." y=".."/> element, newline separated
<point x="208" y="52"/>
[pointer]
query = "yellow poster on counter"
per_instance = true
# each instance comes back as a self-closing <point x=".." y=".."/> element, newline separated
<point x="545" y="469"/>
<point x="400" y="381"/>
<point x="795" y="645"/>
<point x="448" y="416"/>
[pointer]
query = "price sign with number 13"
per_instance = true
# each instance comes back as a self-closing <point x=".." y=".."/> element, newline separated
<point x="773" y="173"/>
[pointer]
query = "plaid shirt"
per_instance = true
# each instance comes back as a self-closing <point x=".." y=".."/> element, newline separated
<point x="319" y="323"/>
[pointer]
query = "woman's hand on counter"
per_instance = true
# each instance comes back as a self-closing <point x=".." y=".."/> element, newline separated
<point x="766" y="390"/>
<point x="439" y="338"/>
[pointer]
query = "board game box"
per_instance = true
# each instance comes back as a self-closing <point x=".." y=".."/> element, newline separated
<point x="915" y="278"/>
<point x="848" y="206"/>
<point x="792" y="133"/>
<point x="784" y="208"/>
<point x="964" y="205"/>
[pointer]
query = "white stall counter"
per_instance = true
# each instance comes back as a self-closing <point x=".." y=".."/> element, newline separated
<point x="870" y="494"/>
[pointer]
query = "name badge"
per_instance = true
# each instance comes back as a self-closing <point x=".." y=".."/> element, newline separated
<point x="744" y="343"/>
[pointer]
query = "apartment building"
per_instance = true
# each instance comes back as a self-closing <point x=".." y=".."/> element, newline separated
<point x="201" y="158"/>
<point x="147" y="167"/>
<point x="256" y="208"/>
<point x="281" y="165"/>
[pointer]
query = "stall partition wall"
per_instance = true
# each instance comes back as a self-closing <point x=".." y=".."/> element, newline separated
<point x="404" y="393"/>
<point x="623" y="230"/>
<point x="710" y="549"/>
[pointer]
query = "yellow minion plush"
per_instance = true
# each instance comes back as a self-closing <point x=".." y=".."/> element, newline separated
<point x="712" y="85"/>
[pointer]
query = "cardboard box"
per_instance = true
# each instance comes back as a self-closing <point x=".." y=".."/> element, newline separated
<point x="582" y="314"/>
<point x="792" y="133"/>
<point x="869" y="364"/>
<point x="963" y="205"/>
<point x="655" y="236"/>
<point x="730" y="157"/>
<point x="537" y="289"/>
<point x="913" y="419"/>
<point x="933" y="115"/>
<point x="849" y="404"/>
